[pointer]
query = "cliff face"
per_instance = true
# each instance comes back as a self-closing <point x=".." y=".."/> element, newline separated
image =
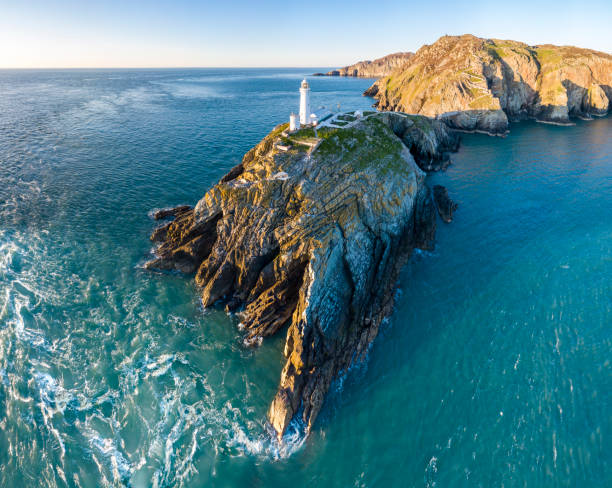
<point x="372" y="69"/>
<point x="481" y="84"/>
<point x="312" y="239"/>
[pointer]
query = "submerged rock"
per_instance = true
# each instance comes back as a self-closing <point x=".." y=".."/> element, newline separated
<point x="479" y="84"/>
<point x="444" y="204"/>
<point x="318" y="250"/>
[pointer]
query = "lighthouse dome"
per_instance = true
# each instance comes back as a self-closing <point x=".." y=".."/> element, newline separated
<point x="305" y="83"/>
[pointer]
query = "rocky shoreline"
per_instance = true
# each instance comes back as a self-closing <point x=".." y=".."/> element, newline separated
<point x="311" y="241"/>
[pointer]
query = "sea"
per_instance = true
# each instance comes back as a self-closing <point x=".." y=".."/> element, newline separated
<point x="494" y="370"/>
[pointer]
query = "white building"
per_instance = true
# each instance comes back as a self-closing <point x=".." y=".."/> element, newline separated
<point x="294" y="122"/>
<point x="306" y="117"/>
<point x="305" y="103"/>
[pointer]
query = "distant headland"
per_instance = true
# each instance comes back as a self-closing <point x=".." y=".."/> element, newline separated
<point x="479" y="84"/>
<point x="372" y="69"/>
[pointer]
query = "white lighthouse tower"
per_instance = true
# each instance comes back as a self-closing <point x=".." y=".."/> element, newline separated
<point x="304" y="103"/>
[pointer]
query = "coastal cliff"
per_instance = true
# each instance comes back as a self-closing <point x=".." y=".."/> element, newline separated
<point x="372" y="69"/>
<point x="481" y="84"/>
<point x="308" y="234"/>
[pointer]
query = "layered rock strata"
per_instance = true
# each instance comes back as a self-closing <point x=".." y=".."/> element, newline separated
<point x="479" y="84"/>
<point x="310" y="241"/>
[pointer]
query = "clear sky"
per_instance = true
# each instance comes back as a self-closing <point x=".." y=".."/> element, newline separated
<point x="313" y="33"/>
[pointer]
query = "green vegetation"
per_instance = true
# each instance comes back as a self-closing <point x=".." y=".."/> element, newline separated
<point x="368" y="144"/>
<point x="548" y="56"/>
<point x="409" y="84"/>
<point x="499" y="49"/>
<point x="341" y="123"/>
<point x="485" y="102"/>
<point x="473" y="77"/>
<point x="550" y="59"/>
<point x="299" y="147"/>
<point x="496" y="52"/>
<point x="421" y="122"/>
<point x="325" y="131"/>
<point x="303" y="133"/>
<point x="299" y="141"/>
<point x="278" y="130"/>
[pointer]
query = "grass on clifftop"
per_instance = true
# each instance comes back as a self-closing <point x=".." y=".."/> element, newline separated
<point x="370" y="144"/>
<point x="548" y="56"/>
<point x="420" y="122"/>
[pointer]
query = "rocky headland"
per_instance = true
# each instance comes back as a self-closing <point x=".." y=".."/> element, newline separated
<point x="479" y="84"/>
<point x="306" y="236"/>
<point x="372" y="69"/>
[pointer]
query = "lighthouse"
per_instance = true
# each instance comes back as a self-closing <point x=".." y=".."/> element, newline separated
<point x="304" y="103"/>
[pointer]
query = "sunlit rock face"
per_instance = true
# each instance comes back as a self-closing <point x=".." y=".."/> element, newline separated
<point x="310" y="241"/>
<point x="481" y="84"/>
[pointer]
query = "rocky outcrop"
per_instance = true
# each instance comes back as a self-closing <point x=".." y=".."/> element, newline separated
<point x="372" y="69"/>
<point x="429" y="141"/>
<point x="311" y="241"/>
<point x="166" y="213"/>
<point x="446" y="207"/>
<point x="481" y="84"/>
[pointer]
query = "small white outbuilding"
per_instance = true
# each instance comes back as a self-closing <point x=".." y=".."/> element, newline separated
<point x="294" y="123"/>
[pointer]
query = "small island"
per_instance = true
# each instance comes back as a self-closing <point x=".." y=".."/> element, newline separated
<point x="310" y="231"/>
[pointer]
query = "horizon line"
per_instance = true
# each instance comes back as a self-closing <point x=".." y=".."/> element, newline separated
<point x="158" y="67"/>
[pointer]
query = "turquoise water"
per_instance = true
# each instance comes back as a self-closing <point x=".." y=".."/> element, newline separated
<point x="494" y="369"/>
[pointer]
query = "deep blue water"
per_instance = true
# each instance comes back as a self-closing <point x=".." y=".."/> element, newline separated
<point x="494" y="370"/>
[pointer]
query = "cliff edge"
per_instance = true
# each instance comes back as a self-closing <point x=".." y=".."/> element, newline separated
<point x="480" y="84"/>
<point x="307" y="235"/>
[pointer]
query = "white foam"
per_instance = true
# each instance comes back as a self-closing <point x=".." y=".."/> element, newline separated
<point x="53" y="400"/>
<point x="430" y="472"/>
<point x="120" y="466"/>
